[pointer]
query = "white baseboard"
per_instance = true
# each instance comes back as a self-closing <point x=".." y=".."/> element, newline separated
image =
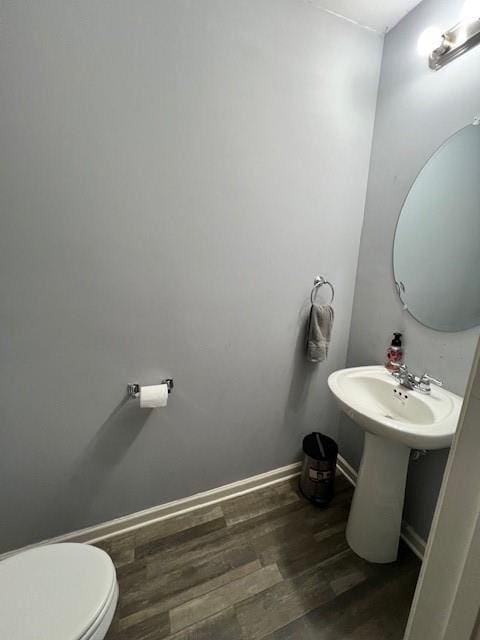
<point x="184" y="505"/>
<point x="171" y="509"/>
<point x="348" y="471"/>
<point x="416" y="543"/>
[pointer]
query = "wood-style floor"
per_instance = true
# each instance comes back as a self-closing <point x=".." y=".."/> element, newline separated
<point x="264" y="566"/>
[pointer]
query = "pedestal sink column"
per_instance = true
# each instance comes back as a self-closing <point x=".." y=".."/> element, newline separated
<point x="373" y="529"/>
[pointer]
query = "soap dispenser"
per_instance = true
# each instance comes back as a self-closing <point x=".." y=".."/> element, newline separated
<point x="394" y="356"/>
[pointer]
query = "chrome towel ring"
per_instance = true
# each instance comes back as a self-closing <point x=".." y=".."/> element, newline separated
<point x="319" y="282"/>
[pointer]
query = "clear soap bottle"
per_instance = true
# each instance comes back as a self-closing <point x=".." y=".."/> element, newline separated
<point x="394" y="356"/>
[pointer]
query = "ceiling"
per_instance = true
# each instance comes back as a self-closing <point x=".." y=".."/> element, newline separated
<point x="380" y="15"/>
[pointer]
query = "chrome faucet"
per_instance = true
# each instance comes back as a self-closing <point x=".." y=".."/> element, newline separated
<point x="415" y="383"/>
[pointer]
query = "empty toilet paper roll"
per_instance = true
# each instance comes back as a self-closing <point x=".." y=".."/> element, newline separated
<point x="153" y="396"/>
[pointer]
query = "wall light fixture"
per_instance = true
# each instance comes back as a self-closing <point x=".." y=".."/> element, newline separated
<point x="457" y="40"/>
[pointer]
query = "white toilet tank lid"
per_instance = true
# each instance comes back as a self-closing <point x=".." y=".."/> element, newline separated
<point x="54" y="592"/>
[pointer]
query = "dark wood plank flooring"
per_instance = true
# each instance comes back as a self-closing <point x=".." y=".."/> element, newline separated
<point x="264" y="566"/>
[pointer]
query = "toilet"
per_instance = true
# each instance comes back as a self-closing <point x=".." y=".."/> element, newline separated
<point x="65" y="591"/>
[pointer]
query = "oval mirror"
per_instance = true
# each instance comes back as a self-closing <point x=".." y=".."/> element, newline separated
<point x="436" y="252"/>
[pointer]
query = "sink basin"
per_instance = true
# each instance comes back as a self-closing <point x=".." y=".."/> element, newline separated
<point x="374" y="400"/>
<point x="395" y="421"/>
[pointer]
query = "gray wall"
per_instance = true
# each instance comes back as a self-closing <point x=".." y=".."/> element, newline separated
<point x="417" y="110"/>
<point x="173" y="174"/>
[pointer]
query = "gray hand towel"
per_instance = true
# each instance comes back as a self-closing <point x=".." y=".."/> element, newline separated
<point x="319" y="331"/>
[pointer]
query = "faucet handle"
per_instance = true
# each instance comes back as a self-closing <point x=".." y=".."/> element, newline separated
<point x="429" y="380"/>
<point x="401" y="372"/>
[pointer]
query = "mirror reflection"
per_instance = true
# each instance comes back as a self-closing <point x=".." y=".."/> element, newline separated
<point x="436" y="254"/>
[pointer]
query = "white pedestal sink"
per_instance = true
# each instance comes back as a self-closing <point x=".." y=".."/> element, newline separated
<point x="395" y="420"/>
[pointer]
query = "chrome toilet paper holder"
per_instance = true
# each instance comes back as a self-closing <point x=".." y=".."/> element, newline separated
<point x="133" y="388"/>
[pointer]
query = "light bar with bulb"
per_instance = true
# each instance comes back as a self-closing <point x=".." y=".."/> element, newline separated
<point x="455" y="42"/>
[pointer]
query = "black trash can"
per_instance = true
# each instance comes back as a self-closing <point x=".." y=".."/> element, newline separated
<point x="317" y="480"/>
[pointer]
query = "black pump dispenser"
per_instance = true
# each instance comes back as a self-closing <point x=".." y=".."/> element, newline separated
<point x="397" y="340"/>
